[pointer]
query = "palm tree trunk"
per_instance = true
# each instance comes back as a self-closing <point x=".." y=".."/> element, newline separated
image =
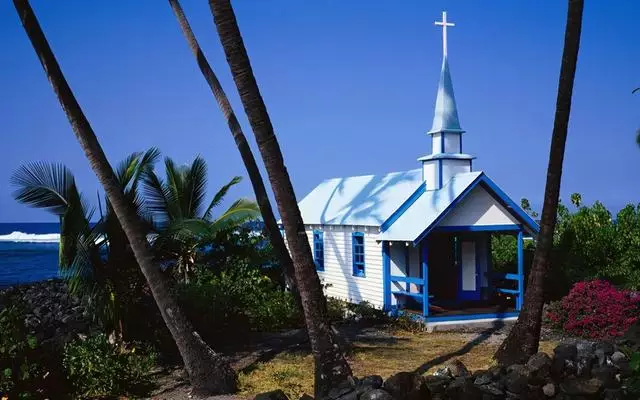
<point x="331" y="367"/>
<point x="270" y="223"/>
<point x="208" y="371"/>
<point x="524" y="337"/>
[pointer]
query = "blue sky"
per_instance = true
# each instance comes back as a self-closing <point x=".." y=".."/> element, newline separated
<point x="350" y="88"/>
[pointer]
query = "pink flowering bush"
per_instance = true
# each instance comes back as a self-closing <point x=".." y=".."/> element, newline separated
<point x="594" y="309"/>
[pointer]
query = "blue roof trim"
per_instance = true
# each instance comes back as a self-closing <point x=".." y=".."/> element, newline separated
<point x="403" y="207"/>
<point x="499" y="195"/>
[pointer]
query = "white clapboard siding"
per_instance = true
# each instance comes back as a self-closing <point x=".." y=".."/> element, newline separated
<point x="338" y="266"/>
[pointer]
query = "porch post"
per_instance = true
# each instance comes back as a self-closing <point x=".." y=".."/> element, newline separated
<point x="520" y="297"/>
<point x="386" y="273"/>
<point x="425" y="275"/>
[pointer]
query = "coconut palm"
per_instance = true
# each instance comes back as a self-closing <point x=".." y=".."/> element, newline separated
<point x="524" y="337"/>
<point x="184" y="222"/>
<point x="331" y="368"/>
<point x="209" y="372"/>
<point x="94" y="258"/>
<point x="270" y="223"/>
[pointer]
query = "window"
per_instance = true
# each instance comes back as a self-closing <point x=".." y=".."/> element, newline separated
<point x="318" y="249"/>
<point x="357" y="243"/>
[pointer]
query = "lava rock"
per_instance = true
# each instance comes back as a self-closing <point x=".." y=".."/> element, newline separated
<point x="582" y="387"/>
<point x="407" y="386"/>
<point x="539" y="365"/>
<point x="565" y="351"/>
<point x="436" y="384"/>
<point x="376" y="394"/>
<point x="457" y="369"/>
<point x="272" y="395"/>
<point x="374" y="381"/>
<point x="606" y="374"/>
<point x="549" y="389"/>
<point x="462" y="388"/>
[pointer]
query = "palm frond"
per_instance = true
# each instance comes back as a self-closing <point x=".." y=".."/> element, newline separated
<point x="217" y="199"/>
<point x="240" y="211"/>
<point x="195" y="187"/>
<point x="175" y="188"/>
<point x="146" y="163"/>
<point x="157" y="196"/>
<point x="44" y="185"/>
<point x="126" y="169"/>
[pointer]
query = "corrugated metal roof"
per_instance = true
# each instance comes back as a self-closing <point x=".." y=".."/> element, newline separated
<point x="359" y="200"/>
<point x="427" y="208"/>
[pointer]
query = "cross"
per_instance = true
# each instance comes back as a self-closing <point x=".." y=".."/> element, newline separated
<point x="444" y="25"/>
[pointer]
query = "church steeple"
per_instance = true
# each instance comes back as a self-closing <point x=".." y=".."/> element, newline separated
<point x="445" y="118"/>
<point x="446" y="158"/>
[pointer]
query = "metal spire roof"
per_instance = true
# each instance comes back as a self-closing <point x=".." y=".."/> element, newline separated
<point x="445" y="118"/>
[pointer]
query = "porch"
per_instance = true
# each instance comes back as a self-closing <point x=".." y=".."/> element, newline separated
<point x="448" y="275"/>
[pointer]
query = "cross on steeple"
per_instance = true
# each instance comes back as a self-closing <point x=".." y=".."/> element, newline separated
<point x="444" y="24"/>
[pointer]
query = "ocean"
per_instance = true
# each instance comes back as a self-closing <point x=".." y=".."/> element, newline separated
<point x="28" y="252"/>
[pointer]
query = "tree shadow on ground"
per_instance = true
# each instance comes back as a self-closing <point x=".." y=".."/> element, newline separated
<point x="482" y="337"/>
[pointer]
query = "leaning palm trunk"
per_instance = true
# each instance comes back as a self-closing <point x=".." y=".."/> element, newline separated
<point x="270" y="223"/>
<point x="524" y="338"/>
<point x="208" y="371"/>
<point x="331" y="367"/>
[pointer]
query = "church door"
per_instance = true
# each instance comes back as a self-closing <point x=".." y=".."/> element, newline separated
<point x="469" y="287"/>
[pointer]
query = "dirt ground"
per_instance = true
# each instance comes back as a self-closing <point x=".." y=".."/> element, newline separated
<point x="283" y="361"/>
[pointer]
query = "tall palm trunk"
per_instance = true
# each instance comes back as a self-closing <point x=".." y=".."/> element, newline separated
<point x="270" y="223"/>
<point x="331" y="367"/>
<point x="524" y="338"/>
<point x="208" y="371"/>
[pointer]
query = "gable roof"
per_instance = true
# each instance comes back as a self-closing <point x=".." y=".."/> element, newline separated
<point x="416" y="219"/>
<point x="359" y="200"/>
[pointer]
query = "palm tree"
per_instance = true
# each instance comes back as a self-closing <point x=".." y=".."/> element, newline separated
<point x="270" y="223"/>
<point x="94" y="258"/>
<point x="331" y="368"/>
<point x="208" y="371"/>
<point x="524" y="338"/>
<point x="184" y="225"/>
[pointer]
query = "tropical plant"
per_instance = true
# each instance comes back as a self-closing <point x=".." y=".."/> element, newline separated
<point x="524" y="337"/>
<point x="184" y="222"/>
<point x="270" y="223"/>
<point x="209" y="372"/>
<point x="331" y="368"/>
<point x="94" y="258"/>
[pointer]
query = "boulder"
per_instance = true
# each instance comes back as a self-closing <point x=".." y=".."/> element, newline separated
<point x="457" y="368"/>
<point x="588" y="388"/>
<point x="606" y="374"/>
<point x="483" y="378"/>
<point x="585" y="349"/>
<point x="436" y="384"/>
<point x="272" y="395"/>
<point x="539" y="365"/>
<point x="376" y="394"/>
<point x="613" y="394"/>
<point x="549" y="389"/>
<point x="491" y="391"/>
<point x="373" y="381"/>
<point x="407" y="386"/>
<point x="565" y="351"/>
<point x="462" y="388"/>
<point x="517" y="379"/>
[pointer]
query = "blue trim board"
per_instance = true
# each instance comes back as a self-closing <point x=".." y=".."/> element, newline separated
<point x="425" y="273"/>
<point x="520" y="298"/>
<point x="355" y="238"/>
<point x="386" y="274"/>
<point x="499" y="275"/>
<point x="407" y="279"/>
<point x="318" y="249"/>
<point x="442" y="143"/>
<point x="440" y="174"/>
<point x="491" y="188"/>
<point x="461" y="144"/>
<point x="403" y="207"/>
<point x="468" y="317"/>
<point x="478" y="228"/>
<point x="407" y="293"/>
<point x="507" y="291"/>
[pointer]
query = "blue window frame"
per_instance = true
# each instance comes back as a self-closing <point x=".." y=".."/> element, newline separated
<point x="357" y="245"/>
<point x="318" y="249"/>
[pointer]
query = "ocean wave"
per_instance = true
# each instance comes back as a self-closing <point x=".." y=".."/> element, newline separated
<point x="30" y="237"/>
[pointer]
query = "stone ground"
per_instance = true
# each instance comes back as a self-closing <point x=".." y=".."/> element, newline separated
<point x="283" y="361"/>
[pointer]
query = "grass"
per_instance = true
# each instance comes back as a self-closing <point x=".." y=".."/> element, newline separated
<point x="293" y="372"/>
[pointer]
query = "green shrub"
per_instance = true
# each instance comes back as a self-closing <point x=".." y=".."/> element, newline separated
<point x="21" y="375"/>
<point x="96" y="367"/>
<point x="336" y="309"/>
<point x="239" y="300"/>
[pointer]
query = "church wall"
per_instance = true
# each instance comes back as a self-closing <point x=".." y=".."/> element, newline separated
<point x="452" y="167"/>
<point x="338" y="266"/>
<point x="479" y="208"/>
<point x="430" y="173"/>
<point x="436" y="143"/>
<point x="452" y="143"/>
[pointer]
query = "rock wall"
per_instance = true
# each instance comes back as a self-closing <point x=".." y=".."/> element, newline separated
<point x="51" y="314"/>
